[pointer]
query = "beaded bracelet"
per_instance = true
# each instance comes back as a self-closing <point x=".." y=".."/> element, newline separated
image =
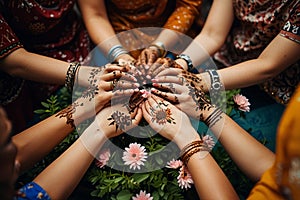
<point x="216" y="84"/>
<point x="161" y="48"/>
<point x="115" y="52"/>
<point x="188" y="61"/>
<point x="70" y="76"/>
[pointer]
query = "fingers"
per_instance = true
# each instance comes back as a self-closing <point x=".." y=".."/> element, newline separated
<point x="169" y="79"/>
<point x="166" y="95"/>
<point x="170" y="72"/>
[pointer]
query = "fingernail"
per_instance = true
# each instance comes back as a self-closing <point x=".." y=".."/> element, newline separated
<point x="154" y="80"/>
<point x="147" y="67"/>
<point x="155" y="84"/>
<point x="148" y="77"/>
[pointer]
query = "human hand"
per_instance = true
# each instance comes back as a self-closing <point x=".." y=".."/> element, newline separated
<point x="116" y="119"/>
<point x="126" y="57"/>
<point x="103" y="84"/>
<point x="168" y="121"/>
<point x="190" y="99"/>
<point x="147" y="57"/>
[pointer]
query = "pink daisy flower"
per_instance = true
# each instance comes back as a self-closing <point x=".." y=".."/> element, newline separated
<point x="209" y="141"/>
<point x="103" y="158"/>
<point x="142" y="196"/>
<point x="174" y="164"/>
<point x="242" y="102"/>
<point x="134" y="156"/>
<point x="185" y="178"/>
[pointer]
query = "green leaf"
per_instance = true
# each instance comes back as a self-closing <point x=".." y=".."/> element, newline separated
<point x="124" y="195"/>
<point x="140" y="177"/>
<point x="46" y="105"/>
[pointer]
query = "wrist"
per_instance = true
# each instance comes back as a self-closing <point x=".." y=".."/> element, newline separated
<point x="182" y="63"/>
<point x="159" y="48"/>
<point x="187" y="60"/>
<point x="115" y="52"/>
<point x="185" y="138"/>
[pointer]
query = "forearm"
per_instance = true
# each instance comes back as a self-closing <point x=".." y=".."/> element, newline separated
<point x="98" y="24"/>
<point x="243" y="148"/>
<point x="209" y="179"/>
<point x="71" y="165"/>
<point x="214" y="32"/>
<point x="31" y="66"/>
<point x="37" y="141"/>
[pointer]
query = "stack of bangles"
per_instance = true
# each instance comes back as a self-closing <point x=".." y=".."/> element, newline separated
<point x="160" y="47"/>
<point x="189" y="150"/>
<point x="70" y="76"/>
<point x="115" y="52"/>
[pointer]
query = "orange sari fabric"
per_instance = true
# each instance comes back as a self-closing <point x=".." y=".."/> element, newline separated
<point x="180" y="15"/>
<point x="282" y="180"/>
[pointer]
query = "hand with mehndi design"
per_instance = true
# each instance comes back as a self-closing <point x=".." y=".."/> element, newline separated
<point x="160" y="65"/>
<point x="184" y="96"/>
<point x="103" y="84"/>
<point x="175" y="75"/>
<point x="116" y="119"/>
<point x="146" y="58"/>
<point x="169" y="121"/>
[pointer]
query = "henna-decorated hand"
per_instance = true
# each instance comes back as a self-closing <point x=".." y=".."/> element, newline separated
<point x="168" y="121"/>
<point x="126" y="57"/>
<point x="194" y="79"/>
<point x="184" y="95"/>
<point x="117" y="119"/>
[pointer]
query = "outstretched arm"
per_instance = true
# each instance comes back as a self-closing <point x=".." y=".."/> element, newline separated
<point x="74" y="162"/>
<point x="209" y="179"/>
<point x="241" y="146"/>
<point x="99" y="27"/>
<point x="37" y="141"/>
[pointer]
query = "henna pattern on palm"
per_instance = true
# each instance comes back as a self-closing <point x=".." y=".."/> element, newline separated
<point x="162" y="115"/>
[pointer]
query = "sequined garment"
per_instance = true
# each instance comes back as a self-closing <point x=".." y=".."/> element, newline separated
<point x="258" y="22"/>
<point x="181" y="15"/>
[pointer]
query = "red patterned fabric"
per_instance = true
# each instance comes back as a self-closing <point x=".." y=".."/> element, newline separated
<point x="48" y="27"/>
<point x="257" y="23"/>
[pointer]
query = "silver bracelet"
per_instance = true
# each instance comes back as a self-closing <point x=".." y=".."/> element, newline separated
<point x="188" y="61"/>
<point x="116" y="51"/>
<point x="216" y="85"/>
<point x="70" y="76"/>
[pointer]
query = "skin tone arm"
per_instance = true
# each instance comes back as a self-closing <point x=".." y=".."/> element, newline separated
<point x="39" y="68"/>
<point x="213" y="33"/>
<point x="241" y="146"/>
<point x="74" y="162"/>
<point x="51" y="131"/>
<point x="277" y="56"/>
<point x="209" y="179"/>
<point x="98" y="25"/>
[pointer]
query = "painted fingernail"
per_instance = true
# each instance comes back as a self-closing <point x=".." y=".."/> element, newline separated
<point x="155" y="84"/>
<point x="154" y="80"/>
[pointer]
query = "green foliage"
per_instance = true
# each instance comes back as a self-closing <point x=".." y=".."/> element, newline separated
<point x="51" y="106"/>
<point x="161" y="183"/>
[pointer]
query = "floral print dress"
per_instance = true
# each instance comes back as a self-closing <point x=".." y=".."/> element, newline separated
<point x="257" y="23"/>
